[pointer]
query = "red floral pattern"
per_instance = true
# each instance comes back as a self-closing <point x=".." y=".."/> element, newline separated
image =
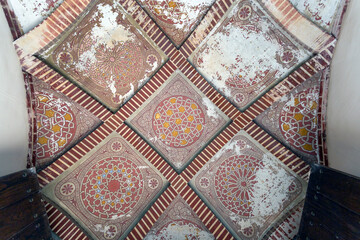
<point x="234" y="181"/>
<point x="112" y="186"/>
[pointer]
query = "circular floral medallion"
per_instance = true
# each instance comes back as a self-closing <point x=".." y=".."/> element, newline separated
<point x="287" y="56"/>
<point x="298" y="121"/>
<point x="151" y="59"/>
<point x="111" y="186"/>
<point x="245" y="12"/>
<point x="239" y="98"/>
<point x="234" y="183"/>
<point x="65" y="58"/>
<point x="120" y="62"/>
<point x="204" y="182"/>
<point x="248" y="231"/>
<point x="56" y="125"/>
<point x="67" y="189"/>
<point x="241" y="144"/>
<point x="178" y="121"/>
<point x="116" y="146"/>
<point x="110" y="231"/>
<point x="153" y="183"/>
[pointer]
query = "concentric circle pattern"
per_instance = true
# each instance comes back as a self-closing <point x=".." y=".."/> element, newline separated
<point x="120" y="63"/>
<point x="111" y="187"/>
<point x="178" y="121"/>
<point x="234" y="183"/>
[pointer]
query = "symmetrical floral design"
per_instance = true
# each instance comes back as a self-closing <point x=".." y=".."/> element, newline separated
<point x="204" y="182"/>
<point x="116" y="146"/>
<point x="293" y="119"/>
<point x="107" y="54"/>
<point x="244" y="12"/>
<point x="153" y="183"/>
<point x="110" y="232"/>
<point x="248" y="189"/>
<point x="119" y="63"/>
<point x="234" y="183"/>
<point x="178" y="120"/>
<point x="111" y="48"/>
<point x="107" y="190"/>
<point x="298" y="120"/>
<point x="247" y="53"/>
<point x="67" y="189"/>
<point x="112" y="186"/>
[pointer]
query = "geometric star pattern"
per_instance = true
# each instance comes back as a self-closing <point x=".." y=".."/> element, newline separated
<point x="321" y="44"/>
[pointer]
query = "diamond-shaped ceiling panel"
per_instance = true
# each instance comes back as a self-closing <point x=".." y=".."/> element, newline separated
<point x="178" y="120"/>
<point x="108" y="189"/>
<point x="60" y="122"/>
<point x="178" y="221"/>
<point x="247" y="53"/>
<point x="177" y="18"/>
<point x="248" y="188"/>
<point x="294" y="118"/>
<point x="264" y="56"/>
<point x="107" y="53"/>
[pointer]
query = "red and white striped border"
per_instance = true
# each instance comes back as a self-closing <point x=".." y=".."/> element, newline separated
<point x="67" y="13"/>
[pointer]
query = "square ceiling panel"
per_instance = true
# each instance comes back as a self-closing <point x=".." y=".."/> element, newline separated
<point x="247" y="187"/>
<point x="105" y="52"/>
<point x="108" y="189"/>
<point x="178" y="120"/>
<point x="179" y="221"/>
<point x="293" y="119"/>
<point x="60" y="122"/>
<point x="177" y="159"/>
<point x="176" y="18"/>
<point x="247" y="52"/>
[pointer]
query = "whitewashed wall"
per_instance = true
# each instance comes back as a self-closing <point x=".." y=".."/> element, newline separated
<point x="13" y="112"/>
<point x="343" y="126"/>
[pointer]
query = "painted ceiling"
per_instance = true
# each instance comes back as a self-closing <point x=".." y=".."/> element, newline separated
<point x="175" y="119"/>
